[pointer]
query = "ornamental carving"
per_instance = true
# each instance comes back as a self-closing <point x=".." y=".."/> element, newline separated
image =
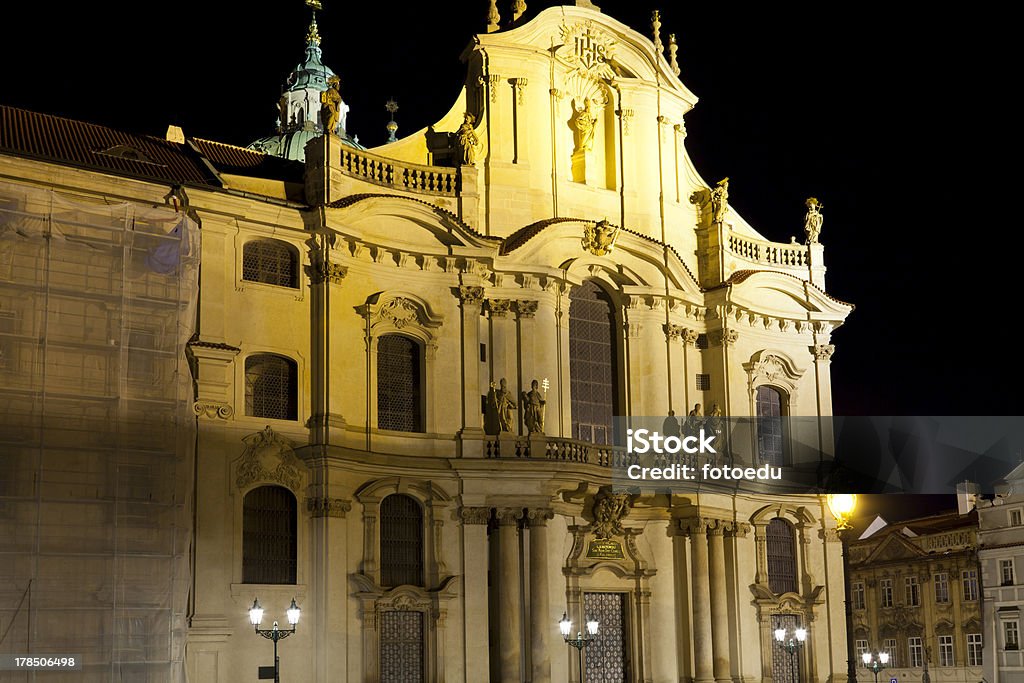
<point x="599" y="238"/>
<point x="588" y="50"/>
<point x="268" y="457"/>
<point x="398" y="311"/>
<point x="771" y="367"/>
<point x="328" y="507"/>
<point x="213" y="409"/>
<point x="324" y="271"/>
<point x="609" y="511"/>
<point x="673" y="332"/>
<point x="509" y="516"/>
<point x="471" y="294"/>
<point x="526" y="308"/>
<point x="823" y="351"/>
<point x="473" y="515"/>
<point x="498" y="308"/>
<point x="539" y="516"/>
<point x="723" y="337"/>
<point x="520" y="85"/>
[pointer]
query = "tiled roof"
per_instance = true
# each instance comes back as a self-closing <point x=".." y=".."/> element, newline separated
<point x="244" y="161"/>
<point x="87" y="145"/>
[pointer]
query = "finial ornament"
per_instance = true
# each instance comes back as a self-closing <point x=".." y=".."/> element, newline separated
<point x="392" y="126"/>
<point x="813" y="220"/>
<point x="518" y="7"/>
<point x="493" y="17"/>
<point x="313" y="35"/>
<point x="314" y="4"/>
<point x="673" y="48"/>
<point x="656" y="27"/>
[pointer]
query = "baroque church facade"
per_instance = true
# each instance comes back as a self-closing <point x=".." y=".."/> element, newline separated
<point x="359" y="335"/>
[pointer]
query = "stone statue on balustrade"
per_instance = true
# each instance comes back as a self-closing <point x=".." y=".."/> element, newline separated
<point x="720" y="201"/>
<point x="713" y="425"/>
<point x="466" y="141"/>
<point x="813" y="220"/>
<point x="498" y="415"/>
<point x="330" y="109"/>
<point x="533" y="409"/>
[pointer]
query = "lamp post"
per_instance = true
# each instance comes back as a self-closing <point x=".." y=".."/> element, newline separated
<point x="791" y="642"/>
<point x="579" y="642"/>
<point x="875" y="662"/>
<point x="842" y="506"/>
<point x="273" y="633"/>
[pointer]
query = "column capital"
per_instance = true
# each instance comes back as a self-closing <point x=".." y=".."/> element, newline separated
<point x="474" y="515"/>
<point x="509" y="516"/>
<point x="322" y="506"/>
<point x="526" y="308"/>
<point x="520" y="86"/>
<point x="321" y="270"/>
<point x="498" y="308"/>
<point x="673" y="331"/>
<point x="471" y="294"/>
<point x="539" y="517"/>
<point x="823" y="352"/>
<point x="723" y="337"/>
<point x="689" y="337"/>
<point x="690" y="526"/>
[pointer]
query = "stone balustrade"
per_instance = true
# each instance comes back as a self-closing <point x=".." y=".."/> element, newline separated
<point x="555" y="448"/>
<point x="399" y="175"/>
<point x="768" y="253"/>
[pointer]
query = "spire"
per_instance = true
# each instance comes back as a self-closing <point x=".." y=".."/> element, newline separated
<point x="673" y="48"/>
<point x="656" y="27"/>
<point x="313" y="35"/>
<point x="392" y="127"/>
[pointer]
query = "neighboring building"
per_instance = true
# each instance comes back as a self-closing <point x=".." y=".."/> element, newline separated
<point x="1001" y="554"/>
<point x="915" y="593"/>
<point x="358" y="321"/>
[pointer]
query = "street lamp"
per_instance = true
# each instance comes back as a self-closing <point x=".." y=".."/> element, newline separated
<point x="791" y="642"/>
<point x="579" y="642"/>
<point x="273" y="633"/>
<point x="875" y="662"/>
<point x="842" y="506"/>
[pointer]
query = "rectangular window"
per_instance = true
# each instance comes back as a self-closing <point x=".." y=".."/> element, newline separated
<point x="945" y="650"/>
<point x="885" y="592"/>
<point x="1011" y="635"/>
<point x="916" y="651"/>
<point x="857" y="595"/>
<point x="702" y="341"/>
<point x="911" y="591"/>
<point x="1015" y="518"/>
<point x="1006" y="571"/>
<point x="973" y="649"/>
<point x="861" y="647"/>
<point x="483" y="353"/>
<point x="703" y="382"/>
<point x="970" y="581"/>
<point x="401" y="646"/>
<point x="889" y="645"/>
<point x="942" y="587"/>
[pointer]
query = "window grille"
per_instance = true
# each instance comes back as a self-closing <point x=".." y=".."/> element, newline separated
<point x="593" y="366"/>
<point x="271" y="262"/>
<point x="702" y="341"/>
<point x="769" y="425"/>
<point x="607" y="660"/>
<point x="401" y="541"/>
<point x="703" y="382"/>
<point x="269" y="541"/>
<point x="271" y="387"/>
<point x="784" y="666"/>
<point x="781" y="556"/>
<point x="401" y="647"/>
<point x="399" y="385"/>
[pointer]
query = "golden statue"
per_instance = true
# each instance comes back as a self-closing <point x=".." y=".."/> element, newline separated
<point x="466" y="141"/>
<point x="813" y="220"/>
<point x="584" y="122"/>
<point x="720" y="201"/>
<point x="330" y="110"/>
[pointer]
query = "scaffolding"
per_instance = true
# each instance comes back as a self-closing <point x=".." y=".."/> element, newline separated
<point x="97" y="435"/>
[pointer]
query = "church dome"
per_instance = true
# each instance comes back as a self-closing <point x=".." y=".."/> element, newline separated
<point x="311" y="72"/>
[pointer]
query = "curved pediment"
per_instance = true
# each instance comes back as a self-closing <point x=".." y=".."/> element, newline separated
<point x="783" y="295"/>
<point x="403" y="223"/>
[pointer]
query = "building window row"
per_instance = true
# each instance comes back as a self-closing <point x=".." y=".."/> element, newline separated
<point x="915" y="650"/>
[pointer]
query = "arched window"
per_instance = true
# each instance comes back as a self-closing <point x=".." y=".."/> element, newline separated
<point x="269" y="545"/>
<point x="401" y="541"/>
<point x="272" y="262"/>
<point x="781" y="556"/>
<point x="271" y="387"/>
<point x="399" y="384"/>
<point x="593" y="363"/>
<point x="769" y="425"/>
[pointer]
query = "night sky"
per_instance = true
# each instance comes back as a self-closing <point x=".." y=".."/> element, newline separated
<point x="869" y="112"/>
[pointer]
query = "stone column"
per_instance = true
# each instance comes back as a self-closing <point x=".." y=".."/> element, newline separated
<point x="474" y="577"/>
<point x="719" y="602"/>
<point x="509" y="616"/>
<point x="472" y="432"/>
<point x="541" y="623"/>
<point x="702" y="631"/>
<point x="329" y="599"/>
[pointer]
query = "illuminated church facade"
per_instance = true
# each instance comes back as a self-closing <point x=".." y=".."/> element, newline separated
<point x="356" y="365"/>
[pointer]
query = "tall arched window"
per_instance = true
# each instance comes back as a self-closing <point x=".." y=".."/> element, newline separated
<point x="781" y="543"/>
<point x="401" y="541"/>
<point x="593" y="363"/>
<point x="269" y="545"/>
<point x="769" y="425"/>
<point x="272" y="262"/>
<point x="399" y="384"/>
<point x="271" y="387"/>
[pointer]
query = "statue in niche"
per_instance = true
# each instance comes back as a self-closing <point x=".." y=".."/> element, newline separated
<point x="466" y="141"/>
<point x="330" y="111"/>
<point x="498" y="417"/>
<point x="813" y="220"/>
<point x="720" y="201"/>
<point x="533" y="409"/>
<point x="583" y="123"/>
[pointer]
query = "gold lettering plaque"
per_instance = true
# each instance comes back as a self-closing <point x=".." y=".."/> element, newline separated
<point x="605" y="549"/>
